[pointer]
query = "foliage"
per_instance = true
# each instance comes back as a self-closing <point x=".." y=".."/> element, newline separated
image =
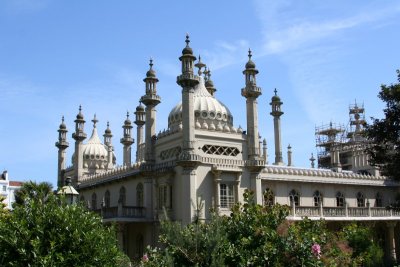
<point x="254" y="235"/>
<point x="31" y="190"/>
<point x="385" y="133"/>
<point x="44" y="231"/>
<point x="365" y="250"/>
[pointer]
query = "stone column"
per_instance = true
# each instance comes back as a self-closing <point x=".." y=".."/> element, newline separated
<point x="255" y="182"/>
<point x="148" y="196"/>
<point x="217" y="182"/>
<point x="391" y="240"/>
<point x="188" y="194"/>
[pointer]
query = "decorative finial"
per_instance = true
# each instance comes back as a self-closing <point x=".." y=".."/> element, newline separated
<point x="62" y="119"/>
<point x="108" y="124"/>
<point x="94" y="121"/>
<point x="151" y="63"/>
<point x="289" y="147"/>
<point x="187" y="40"/>
<point x="80" y="108"/>
<point x="127" y="115"/>
<point x="250" y="55"/>
<point x="199" y="65"/>
<point x="275" y="91"/>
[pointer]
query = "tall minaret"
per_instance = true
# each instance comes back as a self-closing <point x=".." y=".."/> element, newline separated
<point x="107" y="141"/>
<point x="187" y="80"/>
<point x="277" y="113"/>
<point x="139" y="121"/>
<point x="150" y="100"/>
<point x="79" y="135"/>
<point x="127" y="141"/>
<point x="251" y="92"/>
<point x="62" y="145"/>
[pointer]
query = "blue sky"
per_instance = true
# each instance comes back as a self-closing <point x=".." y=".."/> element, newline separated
<point x="56" y="55"/>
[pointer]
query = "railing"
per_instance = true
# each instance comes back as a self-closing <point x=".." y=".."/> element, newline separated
<point x="122" y="212"/>
<point x="319" y="211"/>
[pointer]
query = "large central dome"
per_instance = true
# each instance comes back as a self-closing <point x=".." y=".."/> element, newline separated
<point x="209" y="113"/>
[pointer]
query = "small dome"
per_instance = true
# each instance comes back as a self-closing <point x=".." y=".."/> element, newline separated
<point x="108" y="131"/>
<point x="140" y="107"/>
<point x="127" y="121"/>
<point x="150" y="73"/>
<point x="209" y="83"/>
<point x="94" y="149"/>
<point x="79" y="116"/>
<point x="250" y="64"/>
<point x="275" y="98"/>
<point x="62" y="125"/>
<point x="187" y="50"/>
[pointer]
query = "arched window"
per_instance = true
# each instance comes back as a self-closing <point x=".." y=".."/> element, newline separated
<point x="139" y="245"/>
<point x="139" y="195"/>
<point x="107" y="199"/>
<point x="122" y="196"/>
<point x="360" y="200"/>
<point x="294" y="198"/>
<point x="318" y="199"/>
<point x="340" y="199"/>
<point x="94" y="201"/>
<point x="269" y="198"/>
<point x="378" y="200"/>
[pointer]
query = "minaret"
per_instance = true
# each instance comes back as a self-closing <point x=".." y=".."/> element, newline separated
<point x="289" y="155"/>
<point x="107" y="141"/>
<point x="150" y="100"/>
<point x="187" y="80"/>
<point x="277" y="113"/>
<point x="127" y="141"/>
<point x="209" y="83"/>
<point x="251" y="92"/>
<point x="265" y="151"/>
<point x="139" y="121"/>
<point x="79" y="135"/>
<point x="62" y="145"/>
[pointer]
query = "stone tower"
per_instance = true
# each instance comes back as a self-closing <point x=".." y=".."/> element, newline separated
<point x="79" y="135"/>
<point x="277" y="113"/>
<point x="62" y="145"/>
<point x="127" y="141"/>
<point x="139" y="121"/>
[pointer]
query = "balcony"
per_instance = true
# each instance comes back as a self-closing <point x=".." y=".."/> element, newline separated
<point x="123" y="214"/>
<point x="344" y="213"/>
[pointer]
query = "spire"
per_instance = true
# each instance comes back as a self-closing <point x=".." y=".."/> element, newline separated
<point x="187" y="78"/>
<point x="95" y="120"/>
<point x="276" y="112"/>
<point x="62" y="136"/>
<point x="151" y="97"/>
<point x="199" y="65"/>
<point x="209" y="83"/>
<point x="79" y="134"/>
<point x="312" y="159"/>
<point x="127" y="140"/>
<point x="139" y="115"/>
<point x="289" y="155"/>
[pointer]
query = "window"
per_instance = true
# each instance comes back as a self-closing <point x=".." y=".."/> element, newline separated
<point x="162" y="196"/>
<point x="139" y="195"/>
<point x="340" y="199"/>
<point x="226" y="195"/>
<point x="4" y="188"/>
<point x="122" y="196"/>
<point x="94" y="201"/>
<point x="318" y="199"/>
<point x="269" y="197"/>
<point x="378" y="200"/>
<point x="360" y="200"/>
<point x="294" y="198"/>
<point x="107" y="199"/>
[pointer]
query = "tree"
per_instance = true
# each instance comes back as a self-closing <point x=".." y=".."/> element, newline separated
<point x="51" y="233"/>
<point x="31" y="190"/>
<point x="384" y="134"/>
<point x="255" y="235"/>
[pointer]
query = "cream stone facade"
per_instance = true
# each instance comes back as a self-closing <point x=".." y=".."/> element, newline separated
<point x="204" y="161"/>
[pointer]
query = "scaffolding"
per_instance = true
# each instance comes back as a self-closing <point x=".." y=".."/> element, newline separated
<point x="327" y="136"/>
<point x="356" y="123"/>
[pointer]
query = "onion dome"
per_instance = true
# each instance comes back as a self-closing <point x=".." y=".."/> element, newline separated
<point x="187" y="50"/>
<point x="62" y="125"/>
<point x="140" y="107"/>
<point x="206" y="108"/>
<point x="151" y="73"/>
<point x="80" y="115"/>
<point x="108" y="130"/>
<point x="128" y="122"/>
<point x="275" y="98"/>
<point x="250" y="64"/>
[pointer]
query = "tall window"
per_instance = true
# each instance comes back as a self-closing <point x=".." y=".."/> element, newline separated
<point x="318" y="200"/>
<point x="378" y="200"/>
<point x="94" y="201"/>
<point x="107" y="199"/>
<point x="360" y="200"/>
<point x="294" y="198"/>
<point x="269" y="197"/>
<point x="162" y="196"/>
<point x="227" y="198"/>
<point x="340" y="199"/>
<point x="139" y="195"/>
<point x="122" y="196"/>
